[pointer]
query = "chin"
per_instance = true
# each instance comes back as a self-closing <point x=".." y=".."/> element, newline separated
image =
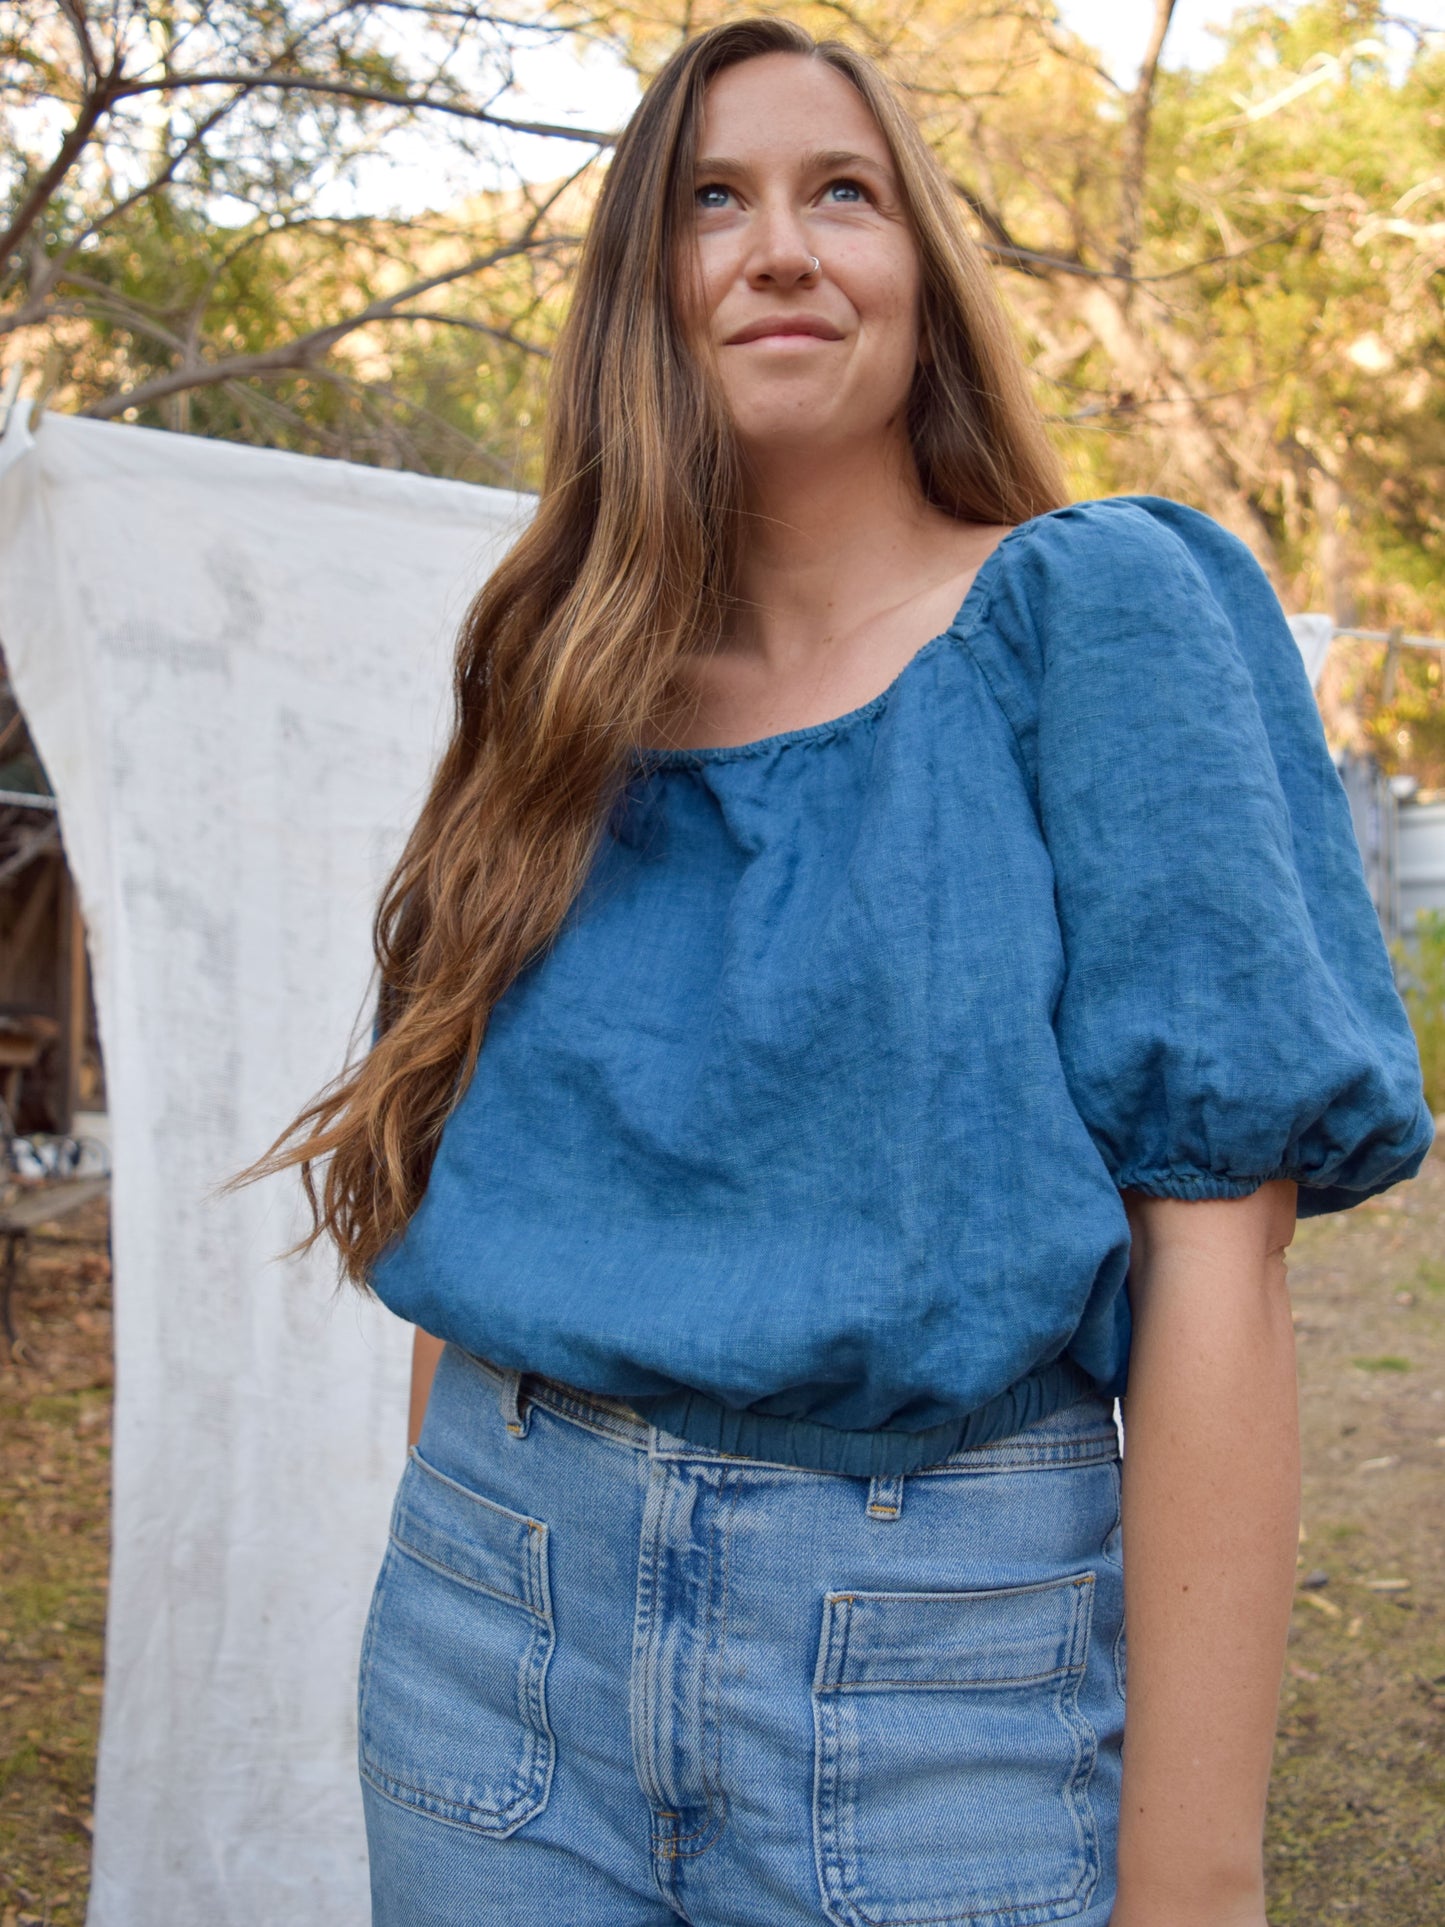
<point x="776" y="420"/>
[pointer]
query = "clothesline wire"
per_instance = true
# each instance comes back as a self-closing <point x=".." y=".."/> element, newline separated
<point x="1394" y="636"/>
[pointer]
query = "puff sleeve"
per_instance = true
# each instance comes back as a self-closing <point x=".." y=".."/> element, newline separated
<point x="1228" y="1013"/>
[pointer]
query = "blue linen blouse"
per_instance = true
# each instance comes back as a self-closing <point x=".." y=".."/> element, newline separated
<point x="807" y="1135"/>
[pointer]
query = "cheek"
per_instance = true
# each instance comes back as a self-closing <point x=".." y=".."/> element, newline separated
<point x="905" y="303"/>
<point x="885" y="290"/>
<point x="714" y="272"/>
<point x="896" y="334"/>
<point x="685" y="294"/>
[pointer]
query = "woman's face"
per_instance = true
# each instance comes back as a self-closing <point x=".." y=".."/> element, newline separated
<point x="792" y="166"/>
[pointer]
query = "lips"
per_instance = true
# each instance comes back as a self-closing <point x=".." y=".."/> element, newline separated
<point x="790" y="324"/>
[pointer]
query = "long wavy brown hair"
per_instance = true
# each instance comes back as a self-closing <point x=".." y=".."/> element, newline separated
<point x="574" y="649"/>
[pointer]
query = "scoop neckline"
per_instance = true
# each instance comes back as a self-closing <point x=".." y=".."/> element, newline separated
<point x="966" y="617"/>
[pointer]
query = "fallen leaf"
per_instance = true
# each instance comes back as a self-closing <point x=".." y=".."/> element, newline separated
<point x="1321" y="1604"/>
<point x="1352" y="1631"/>
<point x="1303" y="1672"/>
<point x="1386" y="1585"/>
<point x="1378" y="1465"/>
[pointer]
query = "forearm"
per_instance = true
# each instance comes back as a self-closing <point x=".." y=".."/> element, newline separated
<point x="425" y="1351"/>
<point x="1211" y="1526"/>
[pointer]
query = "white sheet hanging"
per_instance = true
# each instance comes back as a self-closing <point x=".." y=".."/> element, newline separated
<point x="234" y="664"/>
<point x="1313" y="634"/>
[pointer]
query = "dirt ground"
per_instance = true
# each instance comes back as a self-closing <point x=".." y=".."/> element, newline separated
<point x="1357" y="1815"/>
<point x="55" y="1533"/>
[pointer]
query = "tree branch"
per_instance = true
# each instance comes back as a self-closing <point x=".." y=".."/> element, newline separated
<point x="270" y="78"/>
<point x="301" y="353"/>
<point x="1002" y="245"/>
<point x="1136" y="142"/>
<point x="54" y="271"/>
<point x="92" y="110"/>
<point x="443" y="320"/>
<point x="80" y="27"/>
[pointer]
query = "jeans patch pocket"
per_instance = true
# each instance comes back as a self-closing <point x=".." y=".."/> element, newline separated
<point x="952" y="1762"/>
<point x="452" y="1710"/>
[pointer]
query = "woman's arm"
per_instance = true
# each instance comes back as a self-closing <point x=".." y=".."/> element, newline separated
<point x="1211" y="1528"/>
<point x="425" y="1351"/>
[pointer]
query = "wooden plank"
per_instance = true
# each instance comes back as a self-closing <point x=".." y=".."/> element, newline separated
<point x="69" y="1004"/>
<point x="32" y="1209"/>
<point x="28" y="923"/>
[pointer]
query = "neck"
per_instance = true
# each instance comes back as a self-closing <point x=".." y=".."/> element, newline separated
<point x="826" y="531"/>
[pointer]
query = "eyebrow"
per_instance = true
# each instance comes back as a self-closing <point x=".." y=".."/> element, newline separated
<point x="824" y="161"/>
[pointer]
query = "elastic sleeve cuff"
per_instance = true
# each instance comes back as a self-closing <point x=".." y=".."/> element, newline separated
<point x="1191" y="1184"/>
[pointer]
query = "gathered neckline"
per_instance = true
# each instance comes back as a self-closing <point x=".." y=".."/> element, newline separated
<point x="967" y="618"/>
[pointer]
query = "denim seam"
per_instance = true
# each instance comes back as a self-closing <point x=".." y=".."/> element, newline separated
<point x="1119" y="1642"/>
<point x="1026" y="1458"/>
<point x="1076" y="1794"/>
<point x="972" y="1685"/>
<point x="997" y="1457"/>
<point x="418" y="1801"/>
<point x="591" y="1418"/>
<point x="462" y="1579"/>
<point x="711" y="1696"/>
<point x="477" y="1499"/>
<point x="643" y="1695"/>
<point x="688" y="1846"/>
<point x="439" y="1807"/>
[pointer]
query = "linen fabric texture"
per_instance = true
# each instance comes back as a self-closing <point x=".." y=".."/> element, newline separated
<point x="806" y="1137"/>
<point x="610" y="1676"/>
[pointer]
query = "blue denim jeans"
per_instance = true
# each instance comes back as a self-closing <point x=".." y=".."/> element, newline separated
<point x="612" y="1680"/>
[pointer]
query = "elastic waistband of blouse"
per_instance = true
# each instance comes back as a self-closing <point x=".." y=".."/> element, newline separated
<point x="1054" y="1417"/>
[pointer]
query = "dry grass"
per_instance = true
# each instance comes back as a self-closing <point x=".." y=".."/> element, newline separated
<point x="1357" y="1819"/>
<point x="54" y="1505"/>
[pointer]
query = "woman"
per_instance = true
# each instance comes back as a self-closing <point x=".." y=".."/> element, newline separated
<point x="792" y="1032"/>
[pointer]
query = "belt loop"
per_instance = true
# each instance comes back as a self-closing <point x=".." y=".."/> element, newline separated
<point x="515" y="1416"/>
<point x="885" y="1496"/>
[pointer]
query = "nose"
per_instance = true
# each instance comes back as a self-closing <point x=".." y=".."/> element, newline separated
<point x="780" y="256"/>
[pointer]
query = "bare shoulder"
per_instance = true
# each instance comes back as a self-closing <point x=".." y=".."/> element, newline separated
<point x="972" y="543"/>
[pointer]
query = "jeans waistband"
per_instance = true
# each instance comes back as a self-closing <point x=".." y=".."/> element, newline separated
<point x="1082" y="1432"/>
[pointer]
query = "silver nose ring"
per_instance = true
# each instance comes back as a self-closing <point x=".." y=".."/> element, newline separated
<point x="816" y="264"/>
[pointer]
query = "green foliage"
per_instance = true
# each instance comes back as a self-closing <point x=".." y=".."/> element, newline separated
<point x="1228" y="282"/>
<point x="199" y="224"/>
<point x="1421" y="963"/>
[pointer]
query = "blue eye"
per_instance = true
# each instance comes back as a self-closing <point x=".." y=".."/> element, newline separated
<point x="712" y="196"/>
